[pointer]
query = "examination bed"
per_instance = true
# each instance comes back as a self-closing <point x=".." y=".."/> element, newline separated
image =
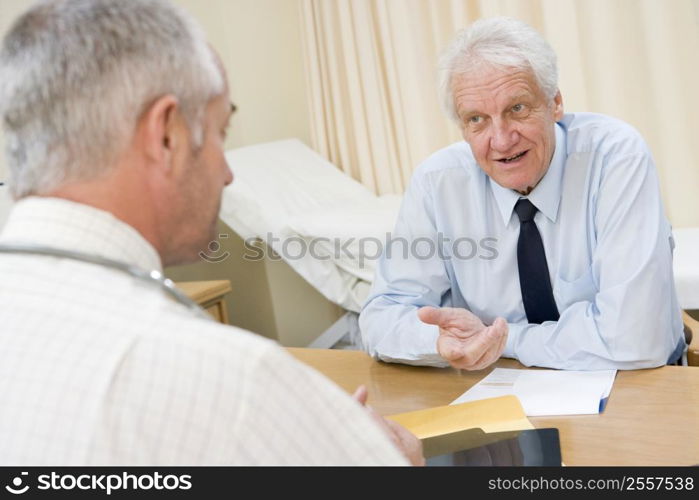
<point x="288" y="196"/>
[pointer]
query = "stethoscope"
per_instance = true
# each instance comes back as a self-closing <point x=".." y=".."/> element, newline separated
<point x="153" y="277"/>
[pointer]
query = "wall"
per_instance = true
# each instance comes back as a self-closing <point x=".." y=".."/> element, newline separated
<point x="260" y="44"/>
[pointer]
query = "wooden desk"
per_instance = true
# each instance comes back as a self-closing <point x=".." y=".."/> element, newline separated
<point x="652" y="417"/>
<point x="209" y="295"/>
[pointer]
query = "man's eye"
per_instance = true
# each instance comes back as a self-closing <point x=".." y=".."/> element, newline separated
<point x="518" y="108"/>
<point x="475" y="119"/>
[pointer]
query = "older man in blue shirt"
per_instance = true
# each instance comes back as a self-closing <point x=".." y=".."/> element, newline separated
<point x="551" y="244"/>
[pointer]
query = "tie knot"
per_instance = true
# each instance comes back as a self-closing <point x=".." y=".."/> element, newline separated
<point x="525" y="210"/>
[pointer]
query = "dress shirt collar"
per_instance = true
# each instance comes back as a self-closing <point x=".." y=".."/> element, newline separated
<point x="546" y="196"/>
<point x="66" y="225"/>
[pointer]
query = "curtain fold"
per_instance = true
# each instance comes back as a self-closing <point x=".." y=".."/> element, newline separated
<point x="371" y="67"/>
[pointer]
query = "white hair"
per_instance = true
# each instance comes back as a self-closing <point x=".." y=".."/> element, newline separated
<point x="76" y="75"/>
<point x="501" y="42"/>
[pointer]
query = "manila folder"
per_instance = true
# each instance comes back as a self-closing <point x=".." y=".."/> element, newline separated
<point x="500" y="414"/>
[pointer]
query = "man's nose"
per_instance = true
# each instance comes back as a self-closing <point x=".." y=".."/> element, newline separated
<point x="504" y="136"/>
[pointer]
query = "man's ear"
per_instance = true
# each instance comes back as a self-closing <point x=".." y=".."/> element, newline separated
<point x="558" y="106"/>
<point x="159" y="126"/>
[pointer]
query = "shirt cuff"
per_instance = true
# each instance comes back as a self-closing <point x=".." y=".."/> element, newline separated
<point x="515" y="330"/>
<point x="423" y="349"/>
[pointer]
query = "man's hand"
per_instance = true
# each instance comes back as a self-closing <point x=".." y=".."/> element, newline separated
<point x="406" y="442"/>
<point x="464" y="340"/>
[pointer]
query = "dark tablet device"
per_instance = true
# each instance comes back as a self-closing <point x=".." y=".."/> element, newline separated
<point x="473" y="447"/>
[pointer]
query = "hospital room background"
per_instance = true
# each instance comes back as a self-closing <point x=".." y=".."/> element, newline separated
<point x="337" y="105"/>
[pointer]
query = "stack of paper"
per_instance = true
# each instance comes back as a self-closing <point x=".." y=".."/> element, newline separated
<point x="547" y="392"/>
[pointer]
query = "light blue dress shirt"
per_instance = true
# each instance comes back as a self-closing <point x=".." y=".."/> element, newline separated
<point x="608" y="247"/>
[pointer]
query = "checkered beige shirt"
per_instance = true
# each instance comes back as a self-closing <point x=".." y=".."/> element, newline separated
<point x="97" y="367"/>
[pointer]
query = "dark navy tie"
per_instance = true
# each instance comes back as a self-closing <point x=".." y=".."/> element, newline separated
<point x="534" y="280"/>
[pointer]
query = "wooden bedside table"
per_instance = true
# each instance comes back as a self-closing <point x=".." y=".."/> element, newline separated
<point x="209" y="295"/>
<point x="693" y="349"/>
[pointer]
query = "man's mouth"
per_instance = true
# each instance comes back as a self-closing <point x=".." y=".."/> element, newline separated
<point x="514" y="158"/>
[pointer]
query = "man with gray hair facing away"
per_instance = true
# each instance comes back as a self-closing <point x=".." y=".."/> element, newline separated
<point x="115" y="113"/>
<point x="556" y="250"/>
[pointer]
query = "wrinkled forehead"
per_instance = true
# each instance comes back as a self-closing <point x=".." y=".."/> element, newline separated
<point x="493" y="87"/>
<point x="484" y="74"/>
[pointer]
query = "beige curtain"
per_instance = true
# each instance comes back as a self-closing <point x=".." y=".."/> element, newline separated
<point x="372" y="83"/>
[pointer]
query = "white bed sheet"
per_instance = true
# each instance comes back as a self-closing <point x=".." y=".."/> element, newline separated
<point x="287" y="190"/>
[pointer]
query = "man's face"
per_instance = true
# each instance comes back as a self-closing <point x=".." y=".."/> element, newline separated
<point x="204" y="174"/>
<point x="509" y="124"/>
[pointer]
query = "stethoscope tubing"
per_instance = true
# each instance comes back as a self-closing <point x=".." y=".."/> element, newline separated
<point x="152" y="277"/>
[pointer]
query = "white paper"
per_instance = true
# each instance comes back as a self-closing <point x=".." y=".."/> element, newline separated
<point x="546" y="392"/>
